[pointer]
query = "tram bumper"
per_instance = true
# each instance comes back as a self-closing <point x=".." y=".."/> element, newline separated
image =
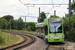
<point x="56" y="40"/>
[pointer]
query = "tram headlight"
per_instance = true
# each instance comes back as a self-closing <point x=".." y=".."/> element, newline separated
<point x="60" y="36"/>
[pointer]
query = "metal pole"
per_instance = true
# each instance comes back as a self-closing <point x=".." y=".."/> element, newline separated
<point x="69" y="20"/>
<point x="10" y="23"/>
<point x="39" y="14"/>
<point x="54" y="13"/>
<point x="73" y="1"/>
<point x="25" y="23"/>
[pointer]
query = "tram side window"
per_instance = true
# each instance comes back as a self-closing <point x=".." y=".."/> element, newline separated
<point x="46" y="30"/>
<point x="37" y="30"/>
<point x="42" y="30"/>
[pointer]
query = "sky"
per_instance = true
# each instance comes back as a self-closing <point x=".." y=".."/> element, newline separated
<point x="17" y="9"/>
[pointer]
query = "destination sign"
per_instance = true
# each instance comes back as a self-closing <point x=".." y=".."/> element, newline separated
<point x="54" y="20"/>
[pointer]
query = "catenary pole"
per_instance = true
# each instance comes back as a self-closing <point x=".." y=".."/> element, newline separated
<point x="25" y="20"/>
<point x="10" y="23"/>
<point x="54" y="13"/>
<point x="25" y="23"/>
<point x="69" y="20"/>
<point x="39" y="14"/>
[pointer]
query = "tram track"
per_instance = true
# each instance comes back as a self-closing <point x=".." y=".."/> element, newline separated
<point x="27" y="41"/>
<point x="47" y="47"/>
<point x="19" y="48"/>
<point x="54" y="47"/>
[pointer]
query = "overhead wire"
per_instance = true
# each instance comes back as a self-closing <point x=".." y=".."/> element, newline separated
<point x="52" y="6"/>
<point x="27" y="6"/>
<point x="23" y="3"/>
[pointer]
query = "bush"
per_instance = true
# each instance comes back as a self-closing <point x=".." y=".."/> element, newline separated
<point x="1" y="40"/>
<point x="66" y="27"/>
<point x="29" y="28"/>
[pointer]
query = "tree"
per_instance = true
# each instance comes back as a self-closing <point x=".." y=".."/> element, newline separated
<point x="20" y="24"/>
<point x="30" y="26"/>
<point x="66" y="27"/>
<point x="8" y="25"/>
<point x="7" y="17"/>
<point x="15" y="24"/>
<point x="73" y="5"/>
<point x="42" y="17"/>
<point x="52" y="16"/>
<point x="3" y="23"/>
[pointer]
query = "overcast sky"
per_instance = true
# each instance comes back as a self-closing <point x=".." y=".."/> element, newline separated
<point x="17" y="9"/>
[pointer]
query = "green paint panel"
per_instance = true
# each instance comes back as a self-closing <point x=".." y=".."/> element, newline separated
<point x="55" y="39"/>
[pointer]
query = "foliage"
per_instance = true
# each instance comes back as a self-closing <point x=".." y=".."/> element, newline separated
<point x="42" y="17"/>
<point x="73" y="5"/>
<point x="66" y="27"/>
<point x="30" y="25"/>
<point x="20" y="23"/>
<point x="52" y="16"/>
<point x="29" y="28"/>
<point x="7" y="17"/>
<point x="8" y="25"/>
<point x="15" y="24"/>
<point x="3" y="23"/>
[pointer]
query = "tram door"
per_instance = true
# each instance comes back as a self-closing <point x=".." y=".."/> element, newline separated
<point x="46" y="30"/>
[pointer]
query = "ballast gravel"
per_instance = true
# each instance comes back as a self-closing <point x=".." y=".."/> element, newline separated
<point x="39" y="44"/>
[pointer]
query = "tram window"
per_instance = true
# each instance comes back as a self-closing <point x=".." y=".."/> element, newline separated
<point x="46" y="30"/>
<point x="39" y="30"/>
<point x="42" y="30"/>
<point x="36" y="29"/>
<point x="60" y="29"/>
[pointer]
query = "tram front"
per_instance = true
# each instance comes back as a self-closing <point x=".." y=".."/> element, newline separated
<point x="56" y="32"/>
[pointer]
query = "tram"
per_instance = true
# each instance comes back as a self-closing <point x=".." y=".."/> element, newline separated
<point x="51" y="30"/>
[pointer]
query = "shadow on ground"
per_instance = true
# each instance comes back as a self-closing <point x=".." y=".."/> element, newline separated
<point x="56" y="43"/>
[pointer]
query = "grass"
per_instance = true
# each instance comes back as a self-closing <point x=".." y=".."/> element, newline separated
<point x="74" y="46"/>
<point x="9" y="40"/>
<point x="24" y="31"/>
<point x="33" y="32"/>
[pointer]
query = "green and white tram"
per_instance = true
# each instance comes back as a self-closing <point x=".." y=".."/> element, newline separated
<point x="51" y="30"/>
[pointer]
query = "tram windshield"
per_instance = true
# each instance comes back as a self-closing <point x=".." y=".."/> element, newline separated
<point x="55" y="25"/>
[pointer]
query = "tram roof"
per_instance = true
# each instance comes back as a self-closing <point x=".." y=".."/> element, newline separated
<point x="40" y="24"/>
